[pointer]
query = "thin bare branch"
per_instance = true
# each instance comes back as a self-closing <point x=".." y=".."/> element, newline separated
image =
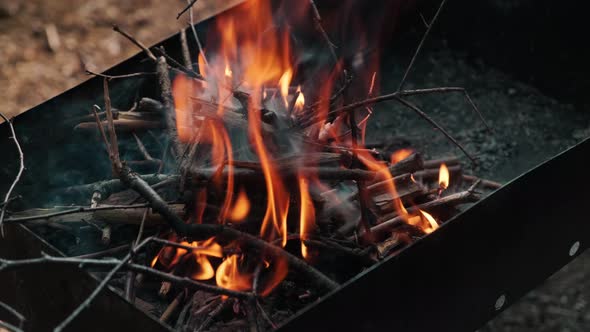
<point x="112" y="77"/>
<point x="419" y="48"/>
<point x="14" y="313"/>
<point x="436" y="125"/>
<point x="18" y="175"/>
<point x="99" y="288"/>
<point x="11" y="265"/>
<point x="194" y="30"/>
<point x="189" y="6"/>
<point x="136" y="42"/>
<point x="80" y="209"/>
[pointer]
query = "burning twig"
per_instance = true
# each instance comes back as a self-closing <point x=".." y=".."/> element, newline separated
<point x="11" y="265"/>
<point x="18" y="175"/>
<point x="419" y="48"/>
<point x="468" y="196"/>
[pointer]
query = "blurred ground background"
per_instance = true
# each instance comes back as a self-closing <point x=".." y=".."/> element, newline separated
<point x="45" y="47"/>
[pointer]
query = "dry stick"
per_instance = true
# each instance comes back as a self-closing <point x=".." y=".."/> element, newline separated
<point x="99" y="288"/>
<point x="130" y="282"/>
<point x="114" y="146"/>
<point x="9" y="326"/>
<point x="166" y="93"/>
<point x="205" y="231"/>
<point x="448" y="90"/>
<point x="11" y="199"/>
<point x="15" y="313"/>
<point x="136" y="42"/>
<point x="317" y="20"/>
<point x="80" y="209"/>
<point x="11" y="265"/>
<point x="484" y="183"/>
<point x="435" y="124"/>
<point x="110" y="251"/>
<point x="211" y="315"/>
<point x="186" y="55"/>
<point x="252" y="314"/>
<point x="194" y="30"/>
<point x="324" y="173"/>
<point x="391" y="96"/>
<point x="18" y="175"/>
<point x="265" y="315"/>
<point x="468" y="196"/>
<point x="190" y="6"/>
<point x="424" y="37"/>
<point x="175" y="65"/>
<point x="112" y="77"/>
<point x="172" y="307"/>
<point x="360" y="185"/>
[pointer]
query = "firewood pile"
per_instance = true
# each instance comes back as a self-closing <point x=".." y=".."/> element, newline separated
<point x="237" y="197"/>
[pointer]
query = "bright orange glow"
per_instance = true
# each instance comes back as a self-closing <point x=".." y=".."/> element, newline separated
<point x="228" y="73"/>
<point x="202" y="62"/>
<point x="400" y="155"/>
<point x="432" y="224"/>
<point x="278" y="272"/>
<point x="443" y="177"/>
<point x="182" y="89"/>
<point x="284" y="83"/>
<point x="241" y="207"/>
<point x="300" y="101"/>
<point x="307" y="215"/>
<point x="229" y="276"/>
<point x="384" y="175"/>
<point x="204" y="269"/>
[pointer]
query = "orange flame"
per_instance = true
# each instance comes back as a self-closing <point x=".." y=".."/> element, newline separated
<point x="443" y="177"/>
<point x="229" y="276"/>
<point x="182" y="91"/>
<point x="307" y="215"/>
<point x="300" y="101"/>
<point x="284" y="83"/>
<point x="400" y="155"/>
<point x="385" y="175"/>
<point x="241" y="207"/>
<point x="432" y="224"/>
<point x="228" y="73"/>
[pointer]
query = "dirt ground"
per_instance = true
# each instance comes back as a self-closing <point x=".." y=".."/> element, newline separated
<point x="45" y="47"/>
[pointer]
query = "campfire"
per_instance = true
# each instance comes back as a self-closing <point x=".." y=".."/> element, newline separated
<point x="247" y="180"/>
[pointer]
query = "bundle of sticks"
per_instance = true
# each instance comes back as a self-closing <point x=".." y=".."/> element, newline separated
<point x="360" y="215"/>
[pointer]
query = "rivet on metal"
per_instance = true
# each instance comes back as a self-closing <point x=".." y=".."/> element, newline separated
<point x="500" y="302"/>
<point x="574" y="248"/>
